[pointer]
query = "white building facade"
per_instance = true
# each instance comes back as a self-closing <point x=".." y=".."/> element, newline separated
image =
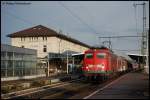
<point x="45" y="40"/>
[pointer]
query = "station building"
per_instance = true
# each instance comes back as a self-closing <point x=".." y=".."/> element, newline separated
<point x="46" y="40"/>
<point x="49" y="44"/>
<point x="18" y="63"/>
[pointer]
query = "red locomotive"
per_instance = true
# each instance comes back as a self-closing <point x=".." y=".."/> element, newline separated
<point x="102" y="62"/>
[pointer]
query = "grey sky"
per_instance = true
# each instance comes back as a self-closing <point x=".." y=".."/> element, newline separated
<point x="108" y="18"/>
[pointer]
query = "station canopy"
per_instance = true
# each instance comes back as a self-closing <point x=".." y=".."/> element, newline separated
<point x="62" y="55"/>
<point x="138" y="57"/>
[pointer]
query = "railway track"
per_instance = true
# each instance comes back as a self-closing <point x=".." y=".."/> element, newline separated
<point x="39" y="92"/>
<point x="74" y="89"/>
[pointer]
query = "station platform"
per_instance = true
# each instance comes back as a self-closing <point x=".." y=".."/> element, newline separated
<point x="134" y="85"/>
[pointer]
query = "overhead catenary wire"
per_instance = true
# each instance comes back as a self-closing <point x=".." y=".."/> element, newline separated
<point x="74" y="15"/>
<point x="124" y="50"/>
<point x="19" y="18"/>
<point x="127" y="36"/>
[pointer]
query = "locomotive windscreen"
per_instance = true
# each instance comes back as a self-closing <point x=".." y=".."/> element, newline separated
<point x="89" y="55"/>
<point x="101" y="55"/>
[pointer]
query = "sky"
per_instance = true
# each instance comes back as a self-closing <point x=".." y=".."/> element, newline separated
<point x="82" y="20"/>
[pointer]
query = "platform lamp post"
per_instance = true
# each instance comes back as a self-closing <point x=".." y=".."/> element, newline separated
<point x="48" y="65"/>
<point x="67" y="55"/>
<point x="147" y="60"/>
<point x="67" y="61"/>
<point x="60" y="51"/>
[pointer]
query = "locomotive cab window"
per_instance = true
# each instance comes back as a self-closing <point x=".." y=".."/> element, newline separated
<point x="89" y="55"/>
<point x="101" y="55"/>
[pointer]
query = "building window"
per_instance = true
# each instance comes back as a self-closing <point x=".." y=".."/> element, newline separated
<point x="34" y="38"/>
<point x="30" y="38"/>
<point x="44" y="38"/>
<point x="44" y="48"/>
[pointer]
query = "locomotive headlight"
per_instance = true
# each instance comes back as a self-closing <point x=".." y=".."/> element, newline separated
<point x="100" y="65"/>
<point x="103" y="67"/>
<point x="90" y="66"/>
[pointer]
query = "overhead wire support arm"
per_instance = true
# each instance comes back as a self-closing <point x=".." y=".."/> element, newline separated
<point x="119" y="36"/>
<point x="109" y="37"/>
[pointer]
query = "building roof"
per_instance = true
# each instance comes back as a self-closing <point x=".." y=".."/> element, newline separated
<point x="61" y="55"/>
<point x="9" y="48"/>
<point x="69" y="52"/>
<point x="78" y="54"/>
<point x="34" y="32"/>
<point x="42" y="31"/>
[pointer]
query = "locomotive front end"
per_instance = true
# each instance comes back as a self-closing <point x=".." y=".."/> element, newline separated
<point x="95" y="63"/>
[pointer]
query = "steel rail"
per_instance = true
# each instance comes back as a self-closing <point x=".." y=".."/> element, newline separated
<point x="37" y="89"/>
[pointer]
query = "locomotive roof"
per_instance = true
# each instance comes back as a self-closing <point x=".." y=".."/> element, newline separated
<point x="96" y="47"/>
<point x="114" y="52"/>
<point x="101" y="48"/>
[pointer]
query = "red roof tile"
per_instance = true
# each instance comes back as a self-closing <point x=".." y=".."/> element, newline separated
<point x="42" y="31"/>
<point x="34" y="32"/>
